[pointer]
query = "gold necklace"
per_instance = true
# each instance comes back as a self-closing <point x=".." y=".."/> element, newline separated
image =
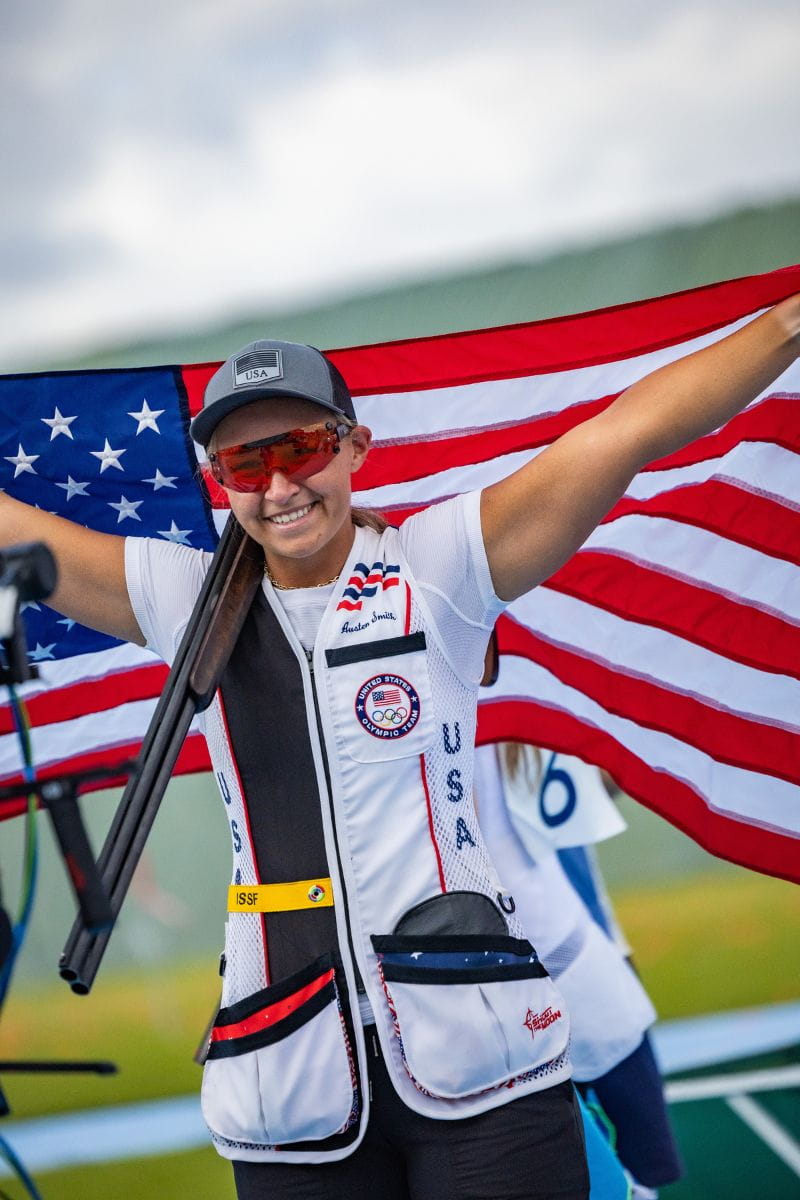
<point x="294" y="587"/>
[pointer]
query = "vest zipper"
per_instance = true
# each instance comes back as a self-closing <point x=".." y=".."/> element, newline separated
<point x="324" y="755"/>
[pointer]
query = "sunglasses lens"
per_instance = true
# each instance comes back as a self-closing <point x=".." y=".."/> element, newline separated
<point x="302" y="452"/>
<point x="241" y="470"/>
<point x="297" y="455"/>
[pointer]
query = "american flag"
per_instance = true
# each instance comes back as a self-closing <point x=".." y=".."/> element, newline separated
<point x="387" y="696"/>
<point x="667" y="650"/>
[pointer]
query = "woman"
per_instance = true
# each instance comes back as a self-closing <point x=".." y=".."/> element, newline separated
<point x="342" y="742"/>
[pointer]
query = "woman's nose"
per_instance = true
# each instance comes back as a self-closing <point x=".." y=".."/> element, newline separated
<point x="281" y="488"/>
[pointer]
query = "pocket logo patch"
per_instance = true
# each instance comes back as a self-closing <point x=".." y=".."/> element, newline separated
<point x="387" y="706"/>
<point x="537" y="1022"/>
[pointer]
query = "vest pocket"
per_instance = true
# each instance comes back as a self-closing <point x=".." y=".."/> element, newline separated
<point x="471" y="1012"/>
<point x="280" y="1067"/>
<point x="380" y="698"/>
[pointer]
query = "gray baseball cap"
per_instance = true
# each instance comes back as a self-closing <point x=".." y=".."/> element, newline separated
<point x="263" y="369"/>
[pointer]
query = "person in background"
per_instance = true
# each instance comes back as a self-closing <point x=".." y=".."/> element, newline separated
<point x="610" y="1011"/>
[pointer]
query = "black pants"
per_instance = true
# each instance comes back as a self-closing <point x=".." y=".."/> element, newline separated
<point x="528" y="1149"/>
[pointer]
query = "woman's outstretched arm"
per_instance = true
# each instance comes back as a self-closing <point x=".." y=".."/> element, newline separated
<point x="91" y="567"/>
<point x="535" y="519"/>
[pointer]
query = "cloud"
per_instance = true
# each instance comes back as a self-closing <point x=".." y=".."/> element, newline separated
<point x="171" y="162"/>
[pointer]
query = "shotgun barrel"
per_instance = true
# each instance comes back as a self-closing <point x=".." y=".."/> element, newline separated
<point x="216" y="621"/>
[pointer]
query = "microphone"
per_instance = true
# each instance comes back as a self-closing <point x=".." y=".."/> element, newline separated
<point x="30" y="569"/>
<point x="27" y="572"/>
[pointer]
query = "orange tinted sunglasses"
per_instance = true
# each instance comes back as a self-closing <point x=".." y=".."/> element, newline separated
<point x="296" y="454"/>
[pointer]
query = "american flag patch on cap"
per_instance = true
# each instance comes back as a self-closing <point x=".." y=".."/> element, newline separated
<point x="257" y="366"/>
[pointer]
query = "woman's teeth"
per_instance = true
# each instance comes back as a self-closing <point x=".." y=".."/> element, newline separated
<point x="288" y="518"/>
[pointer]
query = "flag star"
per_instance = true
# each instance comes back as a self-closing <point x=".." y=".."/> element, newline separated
<point x="173" y="534"/>
<point x="160" y="481"/>
<point x="39" y="652"/>
<point x="126" y="508"/>
<point x="147" y="418"/>
<point x="30" y="604"/>
<point x="22" y="462"/>
<point x="108" y="457"/>
<point x="68" y="621"/>
<point x="59" y="424"/>
<point x="72" y="488"/>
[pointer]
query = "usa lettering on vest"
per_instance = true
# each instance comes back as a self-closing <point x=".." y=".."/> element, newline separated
<point x="357" y="766"/>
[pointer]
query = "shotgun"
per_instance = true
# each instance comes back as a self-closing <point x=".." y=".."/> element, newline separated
<point x="228" y="590"/>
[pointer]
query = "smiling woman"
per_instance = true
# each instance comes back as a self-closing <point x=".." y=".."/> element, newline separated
<point x="383" y="1012"/>
<point x="287" y="473"/>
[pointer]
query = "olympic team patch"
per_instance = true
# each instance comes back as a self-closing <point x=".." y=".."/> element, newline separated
<point x="387" y="706"/>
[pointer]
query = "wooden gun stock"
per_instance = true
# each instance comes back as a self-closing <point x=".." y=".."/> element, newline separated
<point x="216" y="621"/>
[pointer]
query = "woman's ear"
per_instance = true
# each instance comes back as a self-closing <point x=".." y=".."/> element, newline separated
<point x="360" y="440"/>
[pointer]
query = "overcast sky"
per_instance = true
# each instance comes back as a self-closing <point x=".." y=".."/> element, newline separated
<point x="167" y="162"/>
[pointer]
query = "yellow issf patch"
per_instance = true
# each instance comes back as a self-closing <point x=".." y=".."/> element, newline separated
<point x="280" y="897"/>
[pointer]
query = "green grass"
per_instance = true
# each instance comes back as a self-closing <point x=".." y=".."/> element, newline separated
<point x="149" y="1024"/>
<point x="198" y="1174"/>
<point x="714" y="942"/>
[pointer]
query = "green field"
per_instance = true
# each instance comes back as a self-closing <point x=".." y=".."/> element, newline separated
<point x="713" y="940"/>
<point x="196" y="1175"/>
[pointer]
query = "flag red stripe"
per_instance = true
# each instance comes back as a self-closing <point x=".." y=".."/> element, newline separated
<point x="727" y="510"/>
<point x="563" y="343"/>
<point x="774" y="420"/>
<point x="673" y="799"/>
<point x="90" y="696"/>
<point x="727" y="737"/>
<point x="195" y="377"/>
<point x="701" y="615"/>
<point x="192" y="758"/>
<point x="535" y="347"/>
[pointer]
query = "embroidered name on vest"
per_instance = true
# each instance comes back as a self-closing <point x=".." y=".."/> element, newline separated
<point x="366" y="582"/>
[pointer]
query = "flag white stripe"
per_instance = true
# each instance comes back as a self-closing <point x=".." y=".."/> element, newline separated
<point x="750" y="465"/>
<point x="83" y="668"/>
<point x="743" y="795"/>
<point x="93" y="733"/>
<point x="686" y="552"/>
<point x="663" y="658"/>
<point x="445" y="483"/>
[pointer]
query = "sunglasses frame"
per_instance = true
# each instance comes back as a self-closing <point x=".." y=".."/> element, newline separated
<point x="340" y="429"/>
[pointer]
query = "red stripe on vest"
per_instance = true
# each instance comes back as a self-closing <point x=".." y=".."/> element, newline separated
<point x="271" y="1013"/>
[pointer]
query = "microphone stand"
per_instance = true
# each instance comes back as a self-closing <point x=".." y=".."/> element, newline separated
<point x="28" y="572"/>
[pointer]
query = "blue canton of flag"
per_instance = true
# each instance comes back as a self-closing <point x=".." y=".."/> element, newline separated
<point x="106" y="449"/>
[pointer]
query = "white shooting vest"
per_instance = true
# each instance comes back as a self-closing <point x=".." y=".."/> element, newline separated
<point x="357" y="766"/>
